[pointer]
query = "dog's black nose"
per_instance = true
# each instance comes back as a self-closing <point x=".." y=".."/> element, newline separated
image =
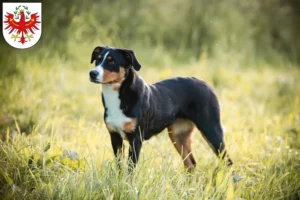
<point x="94" y="74"/>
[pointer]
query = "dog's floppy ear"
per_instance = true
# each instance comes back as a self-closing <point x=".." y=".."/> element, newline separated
<point x="96" y="53"/>
<point x="130" y="56"/>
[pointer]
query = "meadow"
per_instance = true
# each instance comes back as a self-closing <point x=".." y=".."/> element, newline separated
<point x="57" y="146"/>
<point x="54" y="143"/>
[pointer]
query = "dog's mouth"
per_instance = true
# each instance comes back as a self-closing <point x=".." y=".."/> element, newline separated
<point x="95" y="81"/>
<point x="99" y="82"/>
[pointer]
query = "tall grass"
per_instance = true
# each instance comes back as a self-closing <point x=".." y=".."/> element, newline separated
<point x="54" y="144"/>
<point x="67" y="154"/>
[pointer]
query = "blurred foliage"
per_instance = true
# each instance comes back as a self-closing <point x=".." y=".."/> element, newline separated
<point x="233" y="33"/>
<point x="54" y="144"/>
<point x="245" y="32"/>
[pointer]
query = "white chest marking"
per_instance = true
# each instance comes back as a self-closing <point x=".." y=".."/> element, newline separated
<point x="115" y="118"/>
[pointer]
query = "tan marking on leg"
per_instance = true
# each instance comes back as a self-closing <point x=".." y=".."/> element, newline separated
<point x="182" y="126"/>
<point x="129" y="127"/>
<point x="180" y="133"/>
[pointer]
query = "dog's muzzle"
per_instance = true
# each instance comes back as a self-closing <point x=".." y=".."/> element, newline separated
<point x="94" y="74"/>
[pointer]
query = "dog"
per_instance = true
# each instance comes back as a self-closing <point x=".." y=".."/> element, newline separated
<point x="136" y="111"/>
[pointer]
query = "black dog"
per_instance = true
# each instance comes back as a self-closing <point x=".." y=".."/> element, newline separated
<point x="135" y="111"/>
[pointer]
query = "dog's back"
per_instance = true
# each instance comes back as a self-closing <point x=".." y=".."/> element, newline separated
<point x="136" y="111"/>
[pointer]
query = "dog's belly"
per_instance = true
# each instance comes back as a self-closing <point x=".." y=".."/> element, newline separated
<point x="116" y="120"/>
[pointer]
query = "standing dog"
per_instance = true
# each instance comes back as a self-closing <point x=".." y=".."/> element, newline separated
<point x="136" y="111"/>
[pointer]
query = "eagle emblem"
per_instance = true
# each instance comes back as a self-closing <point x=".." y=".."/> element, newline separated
<point x="22" y="24"/>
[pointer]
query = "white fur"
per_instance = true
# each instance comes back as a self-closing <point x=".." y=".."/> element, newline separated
<point x="115" y="118"/>
<point x="100" y="76"/>
<point x="99" y="69"/>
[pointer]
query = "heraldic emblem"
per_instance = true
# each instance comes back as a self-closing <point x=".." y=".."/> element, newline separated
<point x="22" y="24"/>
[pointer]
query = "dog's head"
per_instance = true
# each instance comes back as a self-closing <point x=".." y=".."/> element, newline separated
<point x="112" y="64"/>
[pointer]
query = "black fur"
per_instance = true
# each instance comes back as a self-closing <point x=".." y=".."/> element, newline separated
<point x="122" y="57"/>
<point x="157" y="106"/>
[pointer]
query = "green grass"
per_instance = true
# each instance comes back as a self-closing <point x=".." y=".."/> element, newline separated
<point x="54" y="144"/>
<point x="52" y="116"/>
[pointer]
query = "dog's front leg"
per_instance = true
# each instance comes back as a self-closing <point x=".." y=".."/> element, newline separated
<point x="117" y="144"/>
<point x="135" y="142"/>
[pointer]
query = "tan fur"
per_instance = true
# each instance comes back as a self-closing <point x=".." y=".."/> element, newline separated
<point x="129" y="127"/>
<point x="121" y="75"/>
<point x="113" y="77"/>
<point x="180" y="133"/>
<point x="109" y="76"/>
<point x="117" y="87"/>
<point x="182" y="126"/>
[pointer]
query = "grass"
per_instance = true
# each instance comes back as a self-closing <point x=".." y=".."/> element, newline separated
<point x="55" y="144"/>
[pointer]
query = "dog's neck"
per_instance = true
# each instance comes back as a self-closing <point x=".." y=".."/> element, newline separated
<point x="127" y="95"/>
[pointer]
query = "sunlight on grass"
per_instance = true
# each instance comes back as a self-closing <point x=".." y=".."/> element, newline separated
<point x="56" y="146"/>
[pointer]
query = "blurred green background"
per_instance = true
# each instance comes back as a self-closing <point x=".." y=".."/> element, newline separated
<point x="50" y="113"/>
<point x="220" y="34"/>
<point x="240" y="32"/>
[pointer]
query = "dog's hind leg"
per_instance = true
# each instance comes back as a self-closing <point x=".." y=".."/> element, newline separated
<point x="213" y="134"/>
<point x="180" y="133"/>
